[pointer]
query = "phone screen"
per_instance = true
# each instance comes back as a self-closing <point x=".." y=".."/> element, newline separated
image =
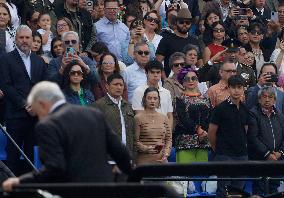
<point x="242" y="11"/>
<point x="274" y="16"/>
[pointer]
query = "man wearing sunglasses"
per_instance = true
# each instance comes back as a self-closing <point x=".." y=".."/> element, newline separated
<point x="70" y="44"/>
<point x="177" y="41"/>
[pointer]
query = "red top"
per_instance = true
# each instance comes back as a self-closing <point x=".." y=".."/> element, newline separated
<point x="214" y="49"/>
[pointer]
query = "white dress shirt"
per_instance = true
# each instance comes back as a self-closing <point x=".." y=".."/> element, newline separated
<point x="27" y="60"/>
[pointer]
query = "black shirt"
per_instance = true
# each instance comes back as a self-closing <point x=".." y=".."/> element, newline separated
<point x="231" y="135"/>
<point x="173" y="43"/>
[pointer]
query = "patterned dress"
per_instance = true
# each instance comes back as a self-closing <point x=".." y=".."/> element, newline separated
<point x="192" y="111"/>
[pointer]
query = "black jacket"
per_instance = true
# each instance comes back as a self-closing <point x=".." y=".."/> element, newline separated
<point x="16" y="82"/>
<point x="74" y="143"/>
<point x="265" y="134"/>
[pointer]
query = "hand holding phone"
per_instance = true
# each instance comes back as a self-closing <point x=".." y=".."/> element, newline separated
<point x="274" y="16"/>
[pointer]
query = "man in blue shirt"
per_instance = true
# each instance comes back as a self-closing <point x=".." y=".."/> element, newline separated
<point x="110" y="30"/>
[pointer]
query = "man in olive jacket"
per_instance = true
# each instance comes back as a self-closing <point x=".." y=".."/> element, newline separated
<point x="118" y="112"/>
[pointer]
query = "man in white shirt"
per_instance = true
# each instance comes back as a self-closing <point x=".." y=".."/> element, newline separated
<point x="134" y="75"/>
<point x="154" y="71"/>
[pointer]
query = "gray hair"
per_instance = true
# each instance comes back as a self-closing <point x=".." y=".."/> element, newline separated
<point x="23" y="27"/>
<point x="47" y="91"/>
<point x="139" y="44"/>
<point x="67" y="33"/>
<point x="190" y="47"/>
<point x="267" y="89"/>
<point x="176" y="56"/>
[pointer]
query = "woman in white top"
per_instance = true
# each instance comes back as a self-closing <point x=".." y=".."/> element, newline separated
<point x="152" y="24"/>
<point x="278" y="54"/>
<point x="5" y="25"/>
<point x="15" y="20"/>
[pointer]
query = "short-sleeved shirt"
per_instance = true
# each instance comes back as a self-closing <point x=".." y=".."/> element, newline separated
<point x="173" y="43"/>
<point x="165" y="95"/>
<point x="231" y="136"/>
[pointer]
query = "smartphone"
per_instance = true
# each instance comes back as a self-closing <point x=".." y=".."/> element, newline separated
<point x="159" y="147"/>
<point x="90" y="5"/>
<point x="242" y="11"/>
<point x="70" y="52"/>
<point x="274" y="16"/>
<point x="273" y="78"/>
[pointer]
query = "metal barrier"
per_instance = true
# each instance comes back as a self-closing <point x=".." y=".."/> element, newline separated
<point x="91" y="190"/>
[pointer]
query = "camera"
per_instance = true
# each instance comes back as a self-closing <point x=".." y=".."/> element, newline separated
<point x="273" y="78"/>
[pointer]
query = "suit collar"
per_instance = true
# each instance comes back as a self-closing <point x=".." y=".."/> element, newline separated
<point x="56" y="106"/>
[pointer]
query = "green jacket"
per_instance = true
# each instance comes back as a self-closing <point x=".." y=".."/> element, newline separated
<point x="111" y="112"/>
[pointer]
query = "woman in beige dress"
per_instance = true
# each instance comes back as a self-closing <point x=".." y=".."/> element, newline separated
<point x="152" y="131"/>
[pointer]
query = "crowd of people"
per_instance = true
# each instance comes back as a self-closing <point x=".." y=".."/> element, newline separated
<point x="198" y="76"/>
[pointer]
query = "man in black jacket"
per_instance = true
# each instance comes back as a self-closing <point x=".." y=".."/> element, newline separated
<point x="20" y="71"/>
<point x="74" y="141"/>
<point x="266" y="134"/>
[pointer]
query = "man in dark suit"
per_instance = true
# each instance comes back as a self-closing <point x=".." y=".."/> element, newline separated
<point x="20" y="71"/>
<point x="74" y="141"/>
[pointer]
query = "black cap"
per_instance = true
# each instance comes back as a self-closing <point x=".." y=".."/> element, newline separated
<point x="232" y="45"/>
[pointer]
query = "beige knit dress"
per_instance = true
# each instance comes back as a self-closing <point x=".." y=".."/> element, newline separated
<point x="154" y="130"/>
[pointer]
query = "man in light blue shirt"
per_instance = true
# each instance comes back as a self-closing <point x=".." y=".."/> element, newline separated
<point x="110" y="30"/>
<point x="134" y="75"/>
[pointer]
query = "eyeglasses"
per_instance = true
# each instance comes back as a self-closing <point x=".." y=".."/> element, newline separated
<point x="230" y="70"/>
<point x="218" y="30"/>
<point x="188" y="78"/>
<point x="62" y="25"/>
<point x="179" y="64"/>
<point x="254" y="32"/>
<point x="75" y="73"/>
<point x="73" y="42"/>
<point x="181" y="22"/>
<point x="151" y="19"/>
<point x="146" y="53"/>
<point x="108" y="63"/>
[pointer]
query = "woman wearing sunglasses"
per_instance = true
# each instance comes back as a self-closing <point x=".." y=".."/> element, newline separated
<point x="192" y="109"/>
<point x="152" y="26"/>
<point x="108" y="65"/>
<point x="74" y="85"/>
<point x="216" y="46"/>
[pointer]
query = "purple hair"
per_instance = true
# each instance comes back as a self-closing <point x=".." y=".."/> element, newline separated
<point x="183" y="73"/>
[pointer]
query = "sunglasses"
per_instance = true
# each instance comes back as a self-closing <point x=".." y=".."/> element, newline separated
<point x="73" y="42"/>
<point x="187" y="22"/>
<point x="108" y="63"/>
<point x="178" y="64"/>
<point x="188" y="79"/>
<point x="151" y="19"/>
<point x="146" y="53"/>
<point x="230" y="70"/>
<point x="254" y="32"/>
<point x="75" y="73"/>
<point x="218" y="30"/>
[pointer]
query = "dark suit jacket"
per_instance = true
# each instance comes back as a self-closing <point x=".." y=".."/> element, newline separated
<point x="74" y="143"/>
<point x="16" y="82"/>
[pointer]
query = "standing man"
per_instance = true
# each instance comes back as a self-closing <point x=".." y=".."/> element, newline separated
<point x="220" y="92"/>
<point x="20" y="71"/>
<point x="118" y="112"/>
<point x="72" y="147"/>
<point x="227" y="131"/>
<point x="154" y="71"/>
<point x="134" y="75"/>
<point x="112" y="31"/>
<point x="176" y="42"/>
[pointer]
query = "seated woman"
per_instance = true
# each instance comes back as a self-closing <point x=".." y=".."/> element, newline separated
<point x="56" y="47"/>
<point x="193" y="110"/>
<point x="152" y="131"/>
<point x="74" y="83"/>
<point x="108" y="65"/>
<point x="37" y="46"/>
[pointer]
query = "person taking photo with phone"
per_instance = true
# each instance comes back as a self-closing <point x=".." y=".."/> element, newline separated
<point x="268" y="77"/>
